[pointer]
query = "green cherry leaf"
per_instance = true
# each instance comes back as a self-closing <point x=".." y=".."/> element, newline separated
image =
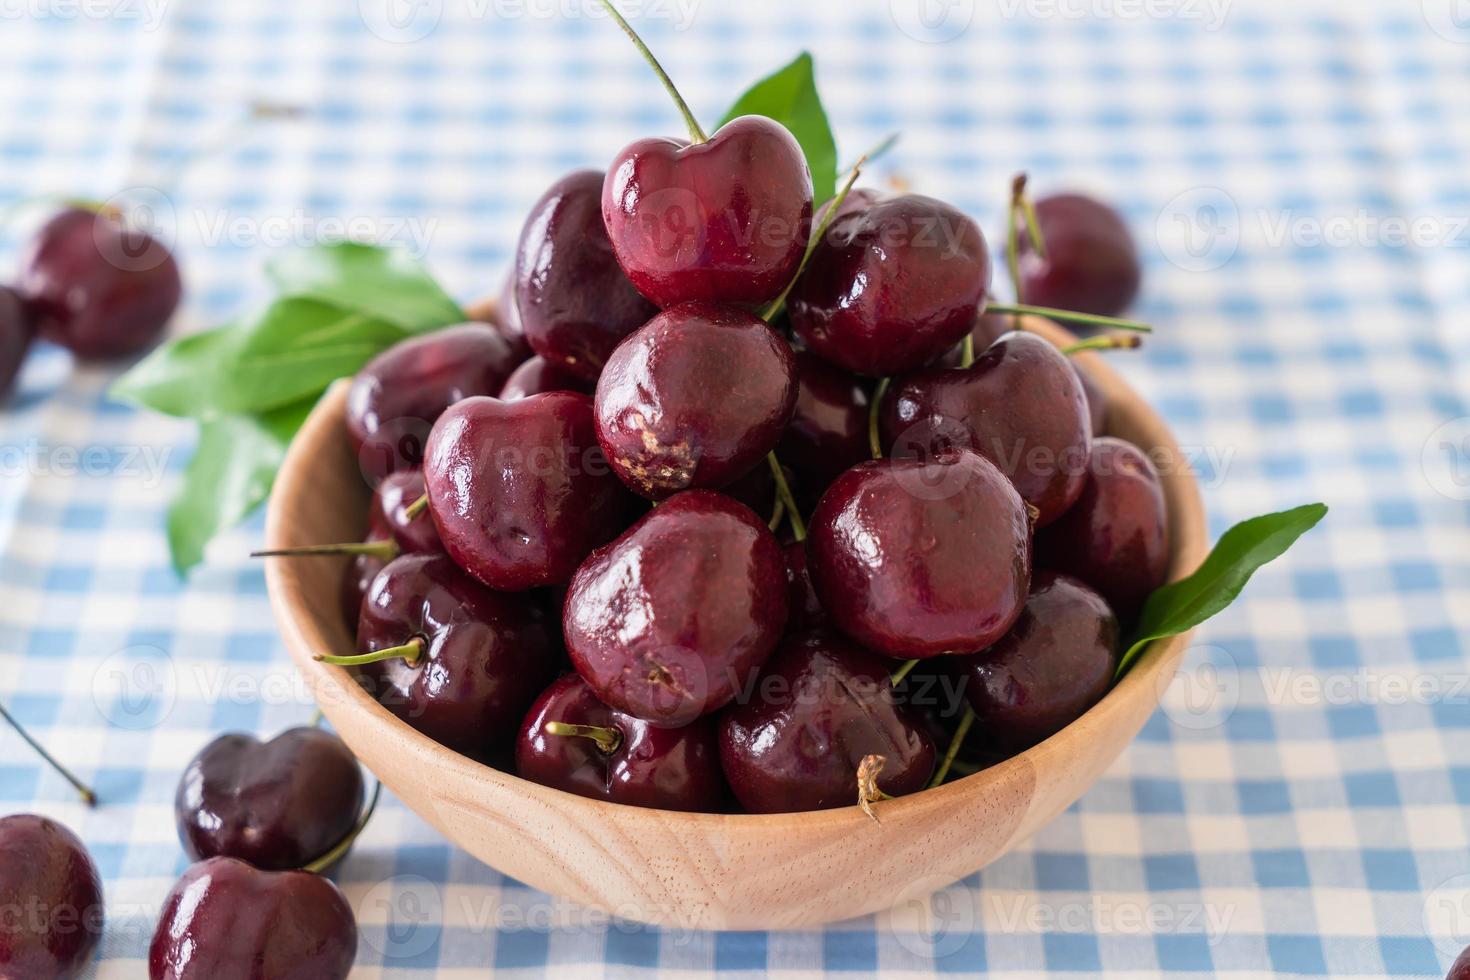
<point x="291" y="350"/>
<point x="1181" y="606"/>
<point x="231" y="473"/>
<point x="382" y="283"/>
<point x="790" y="97"/>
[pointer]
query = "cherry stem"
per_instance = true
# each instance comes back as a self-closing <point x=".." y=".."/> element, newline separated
<point x="608" y="740"/>
<point x="1127" y="341"/>
<point x="385" y="550"/>
<point x="875" y="443"/>
<point x="779" y="303"/>
<point x="883" y="147"/>
<point x="345" y="844"/>
<point x="410" y="652"/>
<point x="967" y="351"/>
<point x="954" y="747"/>
<point x="1027" y="209"/>
<point x="88" y="797"/>
<point x="257" y="111"/>
<point x="317" y="718"/>
<point x="778" y="512"/>
<point x="867" y="780"/>
<point x="413" y="510"/>
<point x="1013" y="245"/>
<point x="696" y="134"/>
<point x="1070" y="316"/>
<point x="784" y="495"/>
<point x="902" y="672"/>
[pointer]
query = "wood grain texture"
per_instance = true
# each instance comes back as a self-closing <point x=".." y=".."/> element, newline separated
<point x="703" y="871"/>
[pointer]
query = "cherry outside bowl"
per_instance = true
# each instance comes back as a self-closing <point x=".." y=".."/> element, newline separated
<point x="697" y="870"/>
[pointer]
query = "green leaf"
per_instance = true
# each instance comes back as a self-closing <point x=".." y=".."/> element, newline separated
<point x="790" y="97"/>
<point x="291" y="350"/>
<point x="230" y="475"/>
<point x="382" y="283"/>
<point x="1181" y="606"/>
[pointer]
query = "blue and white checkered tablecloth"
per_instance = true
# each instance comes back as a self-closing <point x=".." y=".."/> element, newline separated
<point x="1299" y="176"/>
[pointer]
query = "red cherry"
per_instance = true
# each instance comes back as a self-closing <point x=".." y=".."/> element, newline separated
<point x="828" y="433"/>
<point x="696" y="398"/>
<point x="51" y="895"/>
<point x="917" y="558"/>
<point x="575" y="303"/>
<point x="97" y="286"/>
<point x="893" y="286"/>
<point x="537" y="376"/>
<point x="15" y="337"/>
<point x="520" y="491"/>
<point x="671" y="619"/>
<point x="606" y="754"/>
<point x="722" y="221"/>
<point x="1091" y="262"/>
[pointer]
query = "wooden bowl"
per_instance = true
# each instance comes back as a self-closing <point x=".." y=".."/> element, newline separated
<point x="702" y="871"/>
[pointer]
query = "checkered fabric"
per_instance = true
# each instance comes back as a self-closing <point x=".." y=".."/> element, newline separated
<point x="1298" y="175"/>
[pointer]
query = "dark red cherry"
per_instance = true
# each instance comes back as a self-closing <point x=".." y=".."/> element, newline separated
<point x="1056" y="662"/>
<point x="671" y="619"/>
<point x="1460" y="969"/>
<point x="610" y="755"/>
<point x="225" y="920"/>
<point x="757" y="490"/>
<point x="828" y="434"/>
<point x="277" y="805"/>
<point x="520" y="491"/>
<point x="506" y="319"/>
<point x="51" y="896"/>
<point x="1116" y="537"/>
<point x="696" y="398"/>
<point x="98" y="287"/>
<point x="396" y="398"/>
<point x="476" y="658"/>
<point x="537" y="376"/>
<point x="989" y="327"/>
<point x="574" y="301"/>
<point x="15" y="337"/>
<point x="392" y="499"/>
<point x="892" y="287"/>
<point x="821" y="706"/>
<point x="1091" y="263"/>
<point x="917" y="558"/>
<point x="723" y="221"/>
<point x="805" y="608"/>
<point x="1020" y="405"/>
<point x="1097" y="400"/>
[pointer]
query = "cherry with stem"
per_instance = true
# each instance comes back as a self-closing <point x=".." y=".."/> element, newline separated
<point x="608" y="740"/>
<point x="88" y="796"/>
<point x="410" y="652"/>
<point x="1105" y="342"/>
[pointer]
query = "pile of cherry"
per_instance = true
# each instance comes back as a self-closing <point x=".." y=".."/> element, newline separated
<point x="595" y="569"/>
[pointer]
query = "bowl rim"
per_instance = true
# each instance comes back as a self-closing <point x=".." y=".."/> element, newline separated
<point x="336" y="692"/>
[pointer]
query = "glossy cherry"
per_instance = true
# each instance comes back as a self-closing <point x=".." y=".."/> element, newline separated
<point x="600" y="752"/>
<point x="276" y="805"/>
<point x="917" y="558"/>
<point x="397" y="397"/>
<point x="671" y="619"/>
<point x="15" y="337"/>
<point x="225" y="920"/>
<point x="1091" y="262"/>
<point x="98" y="287"/>
<point x="51" y="896"/>
<point x="1116" y="537"/>
<point x="1057" y="661"/>
<point x="1097" y="400"/>
<point x="892" y="287"/>
<point x="722" y="221"/>
<point x="506" y="318"/>
<point x="392" y="500"/>
<point x="469" y="660"/>
<point x="828" y="433"/>
<point x="820" y="708"/>
<point x="575" y="303"/>
<point x="520" y="491"/>
<point x="1020" y="405"/>
<point x="696" y="398"/>
<point x="537" y="375"/>
<point x="805" y="609"/>
<point x="357" y="577"/>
